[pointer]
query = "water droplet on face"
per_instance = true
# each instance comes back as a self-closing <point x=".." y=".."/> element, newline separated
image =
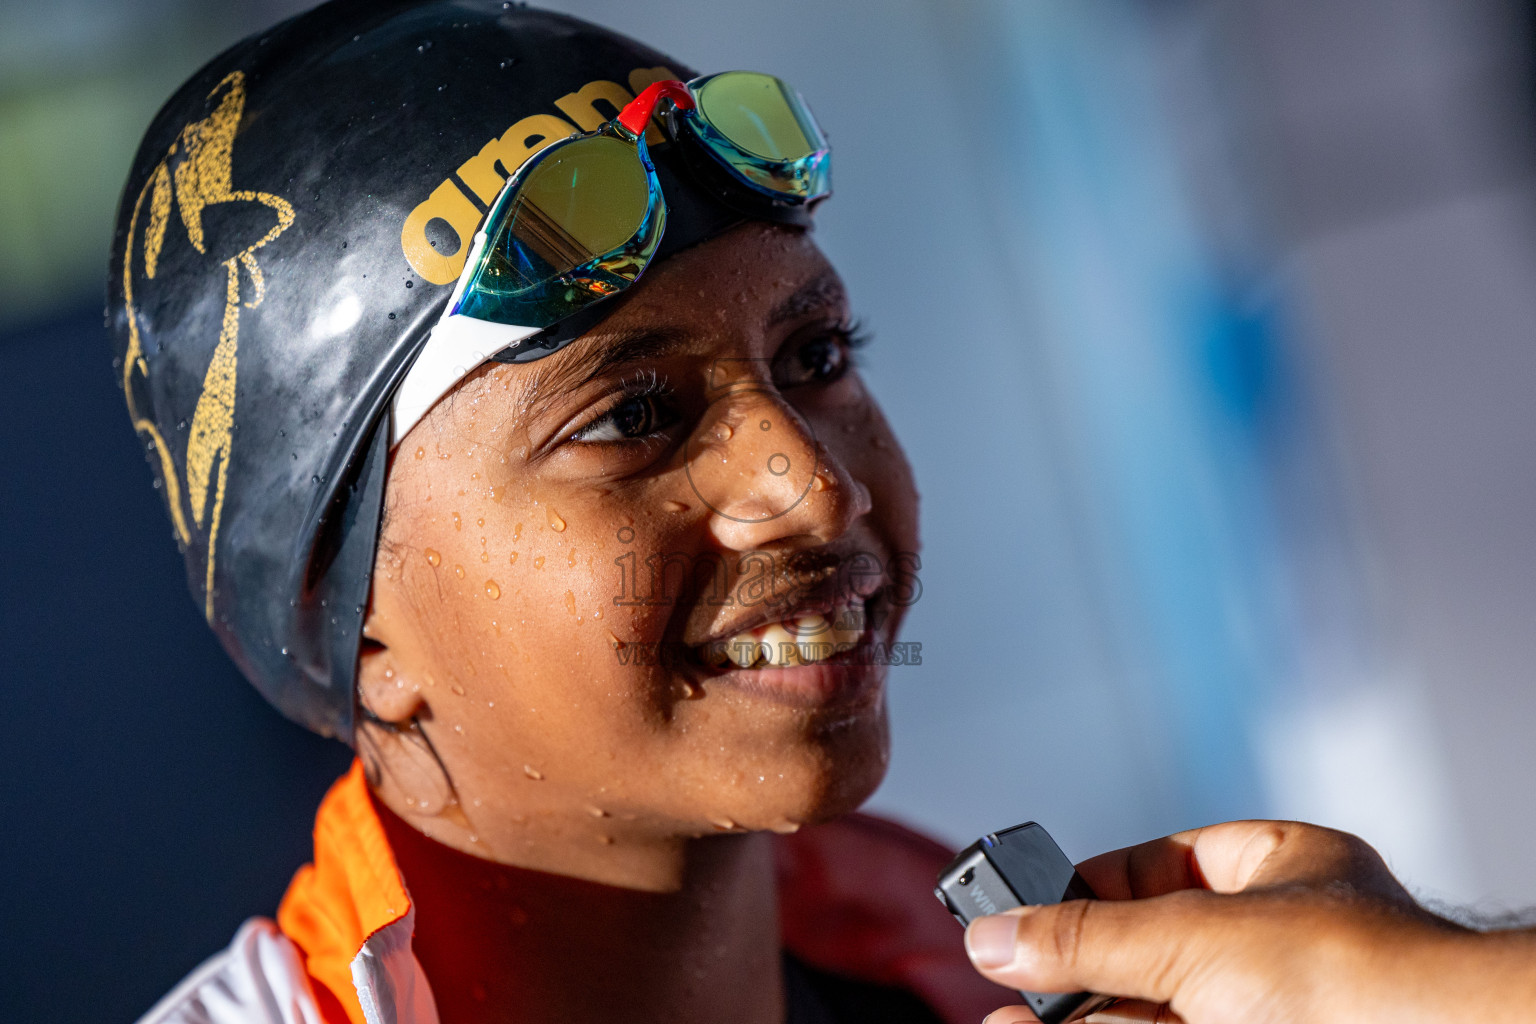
<point x="597" y="812"/>
<point x="817" y="483"/>
<point x="570" y="602"/>
<point x="723" y="824"/>
<point x="532" y="772"/>
<point x="555" y="522"/>
<point x="480" y="522"/>
<point x="673" y="506"/>
<point x="513" y="559"/>
<point x="485" y="556"/>
<point x="723" y="432"/>
<point x="492" y="591"/>
<point x="433" y="558"/>
<point x="572" y="558"/>
<point x="538" y="562"/>
<point x="457" y="524"/>
<point x="597" y="614"/>
<point x="458" y="570"/>
<point x="605" y="840"/>
<point x="421" y="453"/>
<point x="456" y="688"/>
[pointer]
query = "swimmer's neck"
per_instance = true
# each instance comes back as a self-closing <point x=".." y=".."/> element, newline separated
<point x="501" y="943"/>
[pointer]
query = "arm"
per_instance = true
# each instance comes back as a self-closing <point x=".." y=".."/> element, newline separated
<point x="1261" y="922"/>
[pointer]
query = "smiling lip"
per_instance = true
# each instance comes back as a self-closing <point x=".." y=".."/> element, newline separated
<point x="846" y="678"/>
<point x="825" y="605"/>
<point x="851" y="676"/>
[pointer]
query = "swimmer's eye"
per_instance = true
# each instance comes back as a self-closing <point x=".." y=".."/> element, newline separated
<point x="645" y="409"/>
<point x="822" y="358"/>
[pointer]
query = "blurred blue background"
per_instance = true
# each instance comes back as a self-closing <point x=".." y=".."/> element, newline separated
<point x="1208" y="327"/>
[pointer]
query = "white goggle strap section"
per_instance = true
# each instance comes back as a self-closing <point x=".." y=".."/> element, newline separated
<point x="455" y="348"/>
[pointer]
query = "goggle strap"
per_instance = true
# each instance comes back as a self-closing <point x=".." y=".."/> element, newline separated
<point x="637" y="112"/>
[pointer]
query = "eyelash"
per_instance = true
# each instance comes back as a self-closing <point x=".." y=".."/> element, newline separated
<point x="856" y="334"/>
<point x="652" y="385"/>
<point x="645" y="384"/>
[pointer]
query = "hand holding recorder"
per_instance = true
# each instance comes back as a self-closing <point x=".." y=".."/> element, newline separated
<point x="1256" y="921"/>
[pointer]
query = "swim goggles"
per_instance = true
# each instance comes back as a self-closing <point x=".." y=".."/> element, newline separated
<point x="581" y="220"/>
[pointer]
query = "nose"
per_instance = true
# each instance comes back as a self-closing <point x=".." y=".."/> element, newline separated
<point x="758" y="467"/>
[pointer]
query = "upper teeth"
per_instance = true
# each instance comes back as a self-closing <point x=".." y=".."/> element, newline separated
<point x="802" y="640"/>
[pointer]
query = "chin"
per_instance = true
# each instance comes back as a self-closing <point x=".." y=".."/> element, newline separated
<point x="845" y="765"/>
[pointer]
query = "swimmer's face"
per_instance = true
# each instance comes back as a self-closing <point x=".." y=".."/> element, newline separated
<point x="573" y="546"/>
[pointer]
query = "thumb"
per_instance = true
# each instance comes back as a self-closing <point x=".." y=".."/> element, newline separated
<point x="1146" y="949"/>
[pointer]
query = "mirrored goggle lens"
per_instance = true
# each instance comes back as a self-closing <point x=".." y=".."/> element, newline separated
<point x="574" y="208"/>
<point x="760" y="115"/>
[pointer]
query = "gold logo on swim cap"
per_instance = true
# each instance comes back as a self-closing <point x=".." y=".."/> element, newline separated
<point x="195" y="174"/>
<point x="483" y="174"/>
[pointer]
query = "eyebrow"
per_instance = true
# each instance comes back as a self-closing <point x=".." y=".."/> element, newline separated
<point x="635" y="345"/>
<point x="612" y="349"/>
<point x="628" y="346"/>
<point x="820" y="292"/>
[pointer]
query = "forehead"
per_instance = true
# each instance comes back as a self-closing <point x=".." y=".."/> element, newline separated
<point x="747" y="272"/>
<point x="748" y="282"/>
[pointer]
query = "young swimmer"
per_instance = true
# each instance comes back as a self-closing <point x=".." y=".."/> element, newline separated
<point x="598" y="571"/>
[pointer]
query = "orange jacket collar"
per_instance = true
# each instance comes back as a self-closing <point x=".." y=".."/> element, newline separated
<point x="352" y="891"/>
<point x="853" y="900"/>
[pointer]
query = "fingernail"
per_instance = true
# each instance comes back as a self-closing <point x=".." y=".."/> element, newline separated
<point x="990" y="941"/>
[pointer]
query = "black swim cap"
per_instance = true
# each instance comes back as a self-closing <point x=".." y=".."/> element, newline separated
<point x="291" y="229"/>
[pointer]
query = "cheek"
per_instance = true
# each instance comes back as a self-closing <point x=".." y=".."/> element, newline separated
<point x="515" y="596"/>
<point x="893" y="486"/>
<point x="856" y="431"/>
<point x="512" y="584"/>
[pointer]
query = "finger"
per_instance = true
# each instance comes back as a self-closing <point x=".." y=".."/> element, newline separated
<point x="1249" y="854"/>
<point x="1142" y="949"/>
<point x="1134" y="1011"/>
<point x="1121" y="1011"/>
<point x="1146" y="869"/>
<point x="1229" y="858"/>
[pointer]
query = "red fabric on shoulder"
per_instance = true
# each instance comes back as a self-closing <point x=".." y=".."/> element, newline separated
<point x="856" y="899"/>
